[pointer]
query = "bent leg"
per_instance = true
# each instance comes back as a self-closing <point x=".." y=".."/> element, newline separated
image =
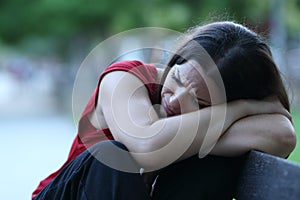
<point x="88" y="178"/>
<point x="208" y="178"/>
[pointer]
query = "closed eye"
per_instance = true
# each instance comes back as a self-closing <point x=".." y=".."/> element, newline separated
<point x="203" y="101"/>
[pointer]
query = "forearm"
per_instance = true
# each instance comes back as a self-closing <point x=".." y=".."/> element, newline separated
<point x="182" y="136"/>
<point x="206" y="126"/>
<point x="273" y="134"/>
<point x="211" y="123"/>
<point x="176" y="138"/>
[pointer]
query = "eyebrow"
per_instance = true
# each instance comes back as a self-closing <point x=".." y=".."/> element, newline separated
<point x="177" y="77"/>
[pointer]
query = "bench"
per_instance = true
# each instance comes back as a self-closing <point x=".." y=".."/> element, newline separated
<point x="253" y="176"/>
<point x="264" y="176"/>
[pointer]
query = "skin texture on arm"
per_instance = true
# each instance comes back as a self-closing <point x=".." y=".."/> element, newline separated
<point x="156" y="142"/>
<point x="273" y="134"/>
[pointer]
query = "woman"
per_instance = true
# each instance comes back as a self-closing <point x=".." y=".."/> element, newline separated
<point x="163" y="126"/>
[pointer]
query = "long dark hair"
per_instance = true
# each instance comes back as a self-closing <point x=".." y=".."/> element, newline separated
<point x="243" y="60"/>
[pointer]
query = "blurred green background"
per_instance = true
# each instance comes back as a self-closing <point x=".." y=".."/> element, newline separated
<point x="43" y="43"/>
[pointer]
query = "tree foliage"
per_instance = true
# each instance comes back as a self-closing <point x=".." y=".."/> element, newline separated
<point x="64" y="19"/>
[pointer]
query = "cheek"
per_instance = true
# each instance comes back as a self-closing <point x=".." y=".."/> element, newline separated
<point x="165" y="90"/>
<point x="203" y="93"/>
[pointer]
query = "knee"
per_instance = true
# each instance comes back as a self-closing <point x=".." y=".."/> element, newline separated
<point x="107" y="145"/>
<point x="114" y="155"/>
<point x="118" y="144"/>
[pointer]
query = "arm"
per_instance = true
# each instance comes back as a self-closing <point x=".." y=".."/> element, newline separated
<point x="155" y="142"/>
<point x="273" y="134"/>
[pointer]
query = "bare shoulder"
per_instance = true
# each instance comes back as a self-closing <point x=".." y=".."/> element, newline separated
<point x="120" y="81"/>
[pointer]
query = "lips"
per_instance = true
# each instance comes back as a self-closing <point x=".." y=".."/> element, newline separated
<point x="167" y="108"/>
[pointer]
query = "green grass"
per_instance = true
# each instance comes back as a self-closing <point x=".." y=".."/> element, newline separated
<point x="295" y="155"/>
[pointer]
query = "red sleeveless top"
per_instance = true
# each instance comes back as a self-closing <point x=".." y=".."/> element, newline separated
<point x="87" y="133"/>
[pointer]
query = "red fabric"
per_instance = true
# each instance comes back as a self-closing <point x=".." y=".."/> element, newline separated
<point x="87" y="134"/>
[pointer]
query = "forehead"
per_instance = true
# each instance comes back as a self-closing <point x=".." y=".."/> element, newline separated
<point x="192" y="73"/>
<point x="204" y="86"/>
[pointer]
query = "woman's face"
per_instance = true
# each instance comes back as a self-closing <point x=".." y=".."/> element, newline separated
<point x="185" y="89"/>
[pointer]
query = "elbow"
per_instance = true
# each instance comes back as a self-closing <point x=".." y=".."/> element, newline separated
<point x="152" y="157"/>
<point x="286" y="141"/>
<point x="145" y="155"/>
<point x="289" y="140"/>
<point x="148" y="161"/>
